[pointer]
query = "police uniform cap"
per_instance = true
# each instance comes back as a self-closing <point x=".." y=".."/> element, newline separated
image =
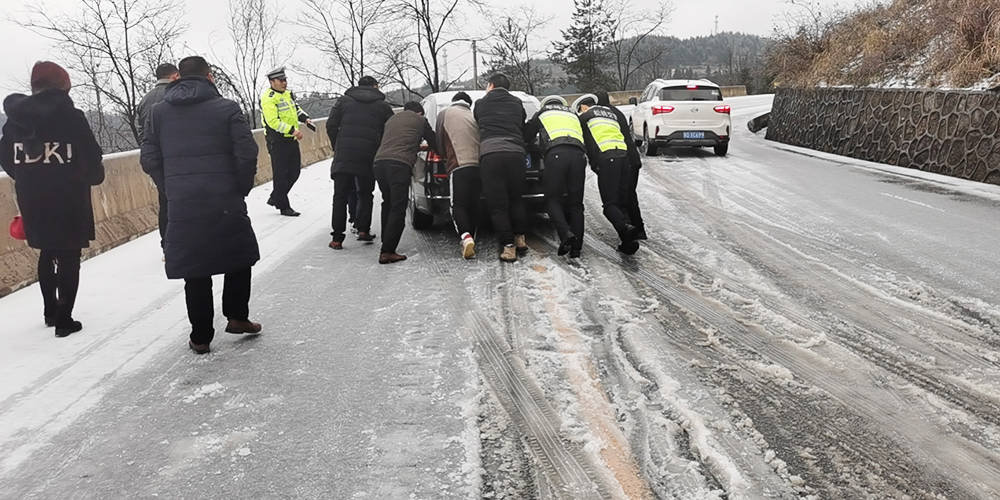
<point x="276" y="73"/>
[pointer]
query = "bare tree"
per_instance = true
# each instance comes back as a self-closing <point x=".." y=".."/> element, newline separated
<point x="629" y="48"/>
<point x="343" y="30"/>
<point x="435" y="22"/>
<point x="252" y="30"/>
<point x="512" y="51"/>
<point x="115" y="45"/>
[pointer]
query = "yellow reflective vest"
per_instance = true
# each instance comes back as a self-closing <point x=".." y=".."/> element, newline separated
<point x="279" y="112"/>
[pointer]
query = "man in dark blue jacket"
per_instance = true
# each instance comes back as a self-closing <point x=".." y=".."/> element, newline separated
<point x="355" y="130"/>
<point x="501" y="118"/>
<point x="198" y="147"/>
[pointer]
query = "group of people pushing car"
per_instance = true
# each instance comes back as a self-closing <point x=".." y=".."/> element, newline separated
<point x="200" y="153"/>
<point x="484" y="150"/>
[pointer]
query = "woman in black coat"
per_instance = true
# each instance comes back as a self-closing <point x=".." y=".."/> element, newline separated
<point x="49" y="150"/>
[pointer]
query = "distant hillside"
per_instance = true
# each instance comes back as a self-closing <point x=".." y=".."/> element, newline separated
<point x="900" y="43"/>
<point x="726" y="58"/>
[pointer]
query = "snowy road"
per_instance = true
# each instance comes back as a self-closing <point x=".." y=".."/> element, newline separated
<point x="798" y="325"/>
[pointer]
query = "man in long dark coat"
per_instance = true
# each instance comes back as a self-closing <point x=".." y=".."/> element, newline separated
<point x="199" y="148"/>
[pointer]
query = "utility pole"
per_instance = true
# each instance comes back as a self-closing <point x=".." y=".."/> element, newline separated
<point x="475" y="65"/>
<point x="444" y="56"/>
<point x="716" y="24"/>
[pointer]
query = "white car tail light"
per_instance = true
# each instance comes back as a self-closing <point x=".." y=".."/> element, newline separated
<point x="723" y="108"/>
<point x="659" y="110"/>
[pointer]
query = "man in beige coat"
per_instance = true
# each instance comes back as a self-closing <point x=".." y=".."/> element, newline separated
<point x="458" y="142"/>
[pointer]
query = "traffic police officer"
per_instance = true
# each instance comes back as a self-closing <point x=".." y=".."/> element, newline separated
<point x="281" y="117"/>
<point x="612" y="153"/>
<point x="565" y="169"/>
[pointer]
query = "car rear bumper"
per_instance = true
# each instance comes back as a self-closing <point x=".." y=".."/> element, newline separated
<point x="677" y="139"/>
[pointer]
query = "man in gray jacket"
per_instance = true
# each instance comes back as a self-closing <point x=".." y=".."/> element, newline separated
<point x="393" y="163"/>
<point x="166" y="74"/>
<point x="458" y="142"/>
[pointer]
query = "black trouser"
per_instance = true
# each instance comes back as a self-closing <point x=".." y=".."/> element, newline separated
<point x="343" y="184"/>
<point x="352" y="204"/>
<point x="286" y="165"/>
<point x="59" y="280"/>
<point x="503" y="183"/>
<point x="614" y="179"/>
<point x="466" y="187"/>
<point x="565" y="174"/>
<point x="200" y="303"/>
<point x="634" y="214"/>
<point x="394" y="182"/>
<point x="162" y="214"/>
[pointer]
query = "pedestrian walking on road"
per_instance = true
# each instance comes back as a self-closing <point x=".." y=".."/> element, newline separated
<point x="281" y="116"/>
<point x="565" y="169"/>
<point x="199" y="147"/>
<point x="393" y="167"/>
<point x="49" y="150"/>
<point x="635" y="161"/>
<point x="502" y="154"/>
<point x="166" y="73"/>
<point x="458" y="142"/>
<point x="609" y="145"/>
<point x="355" y="128"/>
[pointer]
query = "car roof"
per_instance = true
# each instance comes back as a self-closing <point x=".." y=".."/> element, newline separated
<point x="446" y="97"/>
<point x="684" y="83"/>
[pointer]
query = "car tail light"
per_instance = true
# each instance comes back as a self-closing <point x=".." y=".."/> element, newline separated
<point x="659" y="110"/>
<point x="723" y="108"/>
<point x="433" y="157"/>
<point x="692" y="87"/>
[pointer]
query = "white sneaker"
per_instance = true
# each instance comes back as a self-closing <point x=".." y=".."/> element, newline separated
<point x="468" y="247"/>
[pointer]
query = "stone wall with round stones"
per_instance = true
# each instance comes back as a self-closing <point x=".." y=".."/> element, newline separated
<point x="947" y="132"/>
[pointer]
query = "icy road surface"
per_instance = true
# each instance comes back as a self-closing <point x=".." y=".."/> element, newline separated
<point x="798" y="325"/>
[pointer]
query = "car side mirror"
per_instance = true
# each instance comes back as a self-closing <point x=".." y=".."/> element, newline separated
<point x="633" y="101"/>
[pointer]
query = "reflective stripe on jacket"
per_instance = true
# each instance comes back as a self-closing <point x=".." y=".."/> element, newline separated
<point x="280" y="113"/>
<point x="607" y="134"/>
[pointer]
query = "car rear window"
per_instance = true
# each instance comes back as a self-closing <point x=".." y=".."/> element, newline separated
<point x="690" y="94"/>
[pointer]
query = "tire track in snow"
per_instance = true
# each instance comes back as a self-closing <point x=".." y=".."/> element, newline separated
<point x="566" y="469"/>
<point x="818" y="421"/>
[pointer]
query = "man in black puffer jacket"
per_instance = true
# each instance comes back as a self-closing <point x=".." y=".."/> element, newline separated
<point x="501" y="118"/>
<point x="355" y="129"/>
<point x="50" y="152"/>
<point x="198" y="147"/>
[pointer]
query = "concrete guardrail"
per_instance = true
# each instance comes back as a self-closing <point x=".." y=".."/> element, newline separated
<point x="125" y="206"/>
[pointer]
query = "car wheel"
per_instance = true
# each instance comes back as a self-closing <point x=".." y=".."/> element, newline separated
<point x="721" y="149"/>
<point x="420" y="220"/>
<point x="650" y="147"/>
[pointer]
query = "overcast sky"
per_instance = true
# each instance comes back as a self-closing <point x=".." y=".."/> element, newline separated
<point x="20" y="48"/>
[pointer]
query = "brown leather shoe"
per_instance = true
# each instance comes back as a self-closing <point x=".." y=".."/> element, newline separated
<point x="520" y="244"/>
<point x="509" y="254"/>
<point x="243" y="326"/>
<point x="337" y="245"/>
<point x="389" y="258"/>
<point x="199" y="348"/>
<point x="366" y="237"/>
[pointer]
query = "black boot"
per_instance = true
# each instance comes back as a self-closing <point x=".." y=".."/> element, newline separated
<point x="65" y="328"/>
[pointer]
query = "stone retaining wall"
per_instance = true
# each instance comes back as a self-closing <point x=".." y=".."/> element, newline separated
<point x="947" y="132"/>
<point x="125" y="206"/>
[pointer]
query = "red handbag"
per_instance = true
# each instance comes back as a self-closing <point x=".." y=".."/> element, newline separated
<point x="17" y="228"/>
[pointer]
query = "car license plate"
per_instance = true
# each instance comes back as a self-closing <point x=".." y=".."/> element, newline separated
<point x="694" y="135"/>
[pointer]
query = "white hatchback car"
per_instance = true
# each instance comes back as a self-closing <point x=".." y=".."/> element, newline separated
<point x="681" y="113"/>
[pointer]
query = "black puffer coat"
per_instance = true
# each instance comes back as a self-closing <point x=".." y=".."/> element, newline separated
<point x="198" y="147"/>
<point x="501" y="118"/>
<point x="355" y="128"/>
<point x="50" y="152"/>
